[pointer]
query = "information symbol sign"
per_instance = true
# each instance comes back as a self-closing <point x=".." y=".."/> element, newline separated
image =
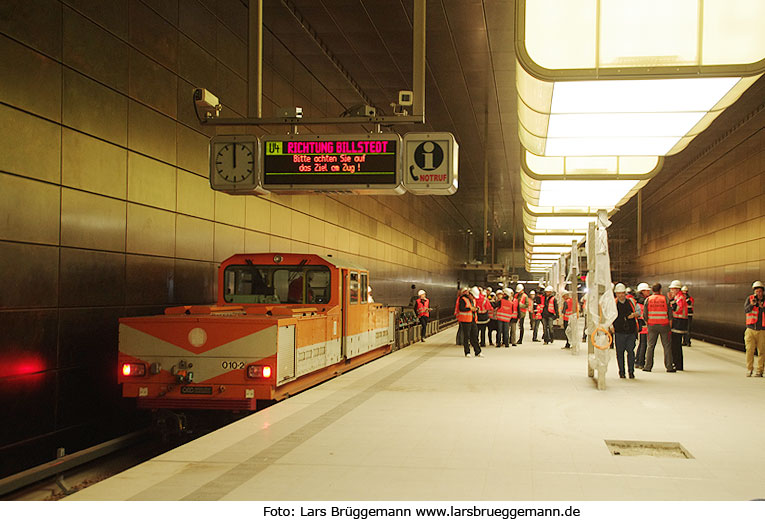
<point x="430" y="163"/>
<point x="428" y="156"/>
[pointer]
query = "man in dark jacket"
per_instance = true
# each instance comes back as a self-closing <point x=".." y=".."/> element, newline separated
<point x="625" y="330"/>
<point x="549" y="314"/>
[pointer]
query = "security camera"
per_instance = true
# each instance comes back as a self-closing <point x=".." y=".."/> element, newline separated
<point x="206" y="102"/>
<point x="405" y="98"/>
<point x="364" y="110"/>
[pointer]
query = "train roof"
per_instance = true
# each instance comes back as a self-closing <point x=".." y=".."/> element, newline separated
<point x="293" y="259"/>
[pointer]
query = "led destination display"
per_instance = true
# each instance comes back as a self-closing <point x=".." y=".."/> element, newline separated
<point x="331" y="161"/>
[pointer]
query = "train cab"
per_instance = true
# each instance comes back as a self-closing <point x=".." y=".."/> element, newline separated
<point x="282" y="323"/>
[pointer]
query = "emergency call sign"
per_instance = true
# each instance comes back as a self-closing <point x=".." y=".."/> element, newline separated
<point x="431" y="161"/>
<point x="331" y="162"/>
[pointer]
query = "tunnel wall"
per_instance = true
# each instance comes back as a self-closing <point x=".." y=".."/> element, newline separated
<point x="106" y="211"/>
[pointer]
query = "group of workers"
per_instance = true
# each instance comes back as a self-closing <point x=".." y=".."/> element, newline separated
<point x="648" y="317"/>
<point x="503" y="312"/>
<point x="644" y="318"/>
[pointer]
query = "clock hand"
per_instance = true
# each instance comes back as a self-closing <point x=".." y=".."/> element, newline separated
<point x="234" y="155"/>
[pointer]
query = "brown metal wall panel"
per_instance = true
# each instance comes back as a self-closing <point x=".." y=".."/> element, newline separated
<point x="91" y="278"/>
<point x="149" y="280"/>
<point x="88" y="337"/>
<point x="94" y="51"/>
<point x="44" y="35"/>
<point x="28" y="275"/>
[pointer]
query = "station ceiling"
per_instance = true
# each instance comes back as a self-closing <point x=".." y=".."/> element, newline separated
<point x="470" y="84"/>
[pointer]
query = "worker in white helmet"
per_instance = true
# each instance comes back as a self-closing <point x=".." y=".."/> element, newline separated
<point x="679" y="324"/>
<point x="658" y="315"/>
<point x="523" y="307"/>
<point x="422" y="310"/>
<point x="535" y="314"/>
<point x="644" y="291"/>
<point x="754" y="334"/>
<point x="624" y="328"/>
<point x="549" y="314"/>
<point x="466" y="316"/>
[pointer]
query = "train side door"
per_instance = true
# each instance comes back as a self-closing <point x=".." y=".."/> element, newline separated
<point x="355" y="315"/>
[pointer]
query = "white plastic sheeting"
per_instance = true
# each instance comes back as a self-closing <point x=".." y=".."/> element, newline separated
<point x="602" y="309"/>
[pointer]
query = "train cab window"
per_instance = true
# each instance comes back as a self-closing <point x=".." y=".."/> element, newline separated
<point x="354" y="287"/>
<point x="269" y="284"/>
<point x="364" y="283"/>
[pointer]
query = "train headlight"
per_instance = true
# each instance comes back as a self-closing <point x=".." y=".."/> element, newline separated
<point x="258" y="372"/>
<point x="133" y="369"/>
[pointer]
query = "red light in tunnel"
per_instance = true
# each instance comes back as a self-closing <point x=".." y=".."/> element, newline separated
<point x="17" y="363"/>
<point x="133" y="369"/>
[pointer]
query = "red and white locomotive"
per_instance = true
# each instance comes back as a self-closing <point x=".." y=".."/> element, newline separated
<point x="282" y="323"/>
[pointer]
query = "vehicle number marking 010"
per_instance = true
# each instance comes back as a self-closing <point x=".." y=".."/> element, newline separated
<point x="232" y="365"/>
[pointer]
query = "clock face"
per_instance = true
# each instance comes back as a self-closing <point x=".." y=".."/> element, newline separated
<point x="234" y="162"/>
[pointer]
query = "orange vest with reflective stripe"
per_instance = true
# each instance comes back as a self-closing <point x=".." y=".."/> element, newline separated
<point x="422" y="305"/>
<point x="522" y="299"/>
<point x="466" y="316"/>
<point x="551" y="305"/>
<point x="538" y="310"/>
<point x="755" y="313"/>
<point x="505" y="310"/>
<point x="656" y="310"/>
<point x="568" y="309"/>
<point x="681" y="307"/>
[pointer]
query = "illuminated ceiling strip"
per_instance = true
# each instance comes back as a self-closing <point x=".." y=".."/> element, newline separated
<point x="592" y="81"/>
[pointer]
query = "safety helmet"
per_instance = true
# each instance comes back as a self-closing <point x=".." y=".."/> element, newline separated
<point x="548" y="289"/>
<point x="684" y="289"/>
<point x="508" y="292"/>
<point x="758" y="284"/>
<point x="643" y="287"/>
<point x="518" y="288"/>
<point x="532" y="292"/>
<point x="629" y="290"/>
<point x="420" y="292"/>
<point x="475" y="292"/>
<point x="675" y="284"/>
<point x="489" y="289"/>
<point x="620" y="288"/>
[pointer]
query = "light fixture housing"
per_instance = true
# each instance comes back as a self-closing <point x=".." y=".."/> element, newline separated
<point x="582" y="184"/>
<point x="593" y="81"/>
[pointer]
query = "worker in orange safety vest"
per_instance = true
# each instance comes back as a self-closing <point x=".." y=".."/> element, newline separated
<point x="523" y="308"/>
<point x="549" y="314"/>
<point x="754" y="334"/>
<point x="422" y="310"/>
<point x="504" y="306"/>
<point x="466" y="316"/>
<point x="568" y="310"/>
<point x="679" y="324"/>
<point x="658" y="317"/>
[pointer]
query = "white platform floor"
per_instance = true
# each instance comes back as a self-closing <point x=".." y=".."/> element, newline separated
<point x="524" y="423"/>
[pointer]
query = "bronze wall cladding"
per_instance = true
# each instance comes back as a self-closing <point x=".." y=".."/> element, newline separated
<point x="106" y="208"/>
<point x="704" y="220"/>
